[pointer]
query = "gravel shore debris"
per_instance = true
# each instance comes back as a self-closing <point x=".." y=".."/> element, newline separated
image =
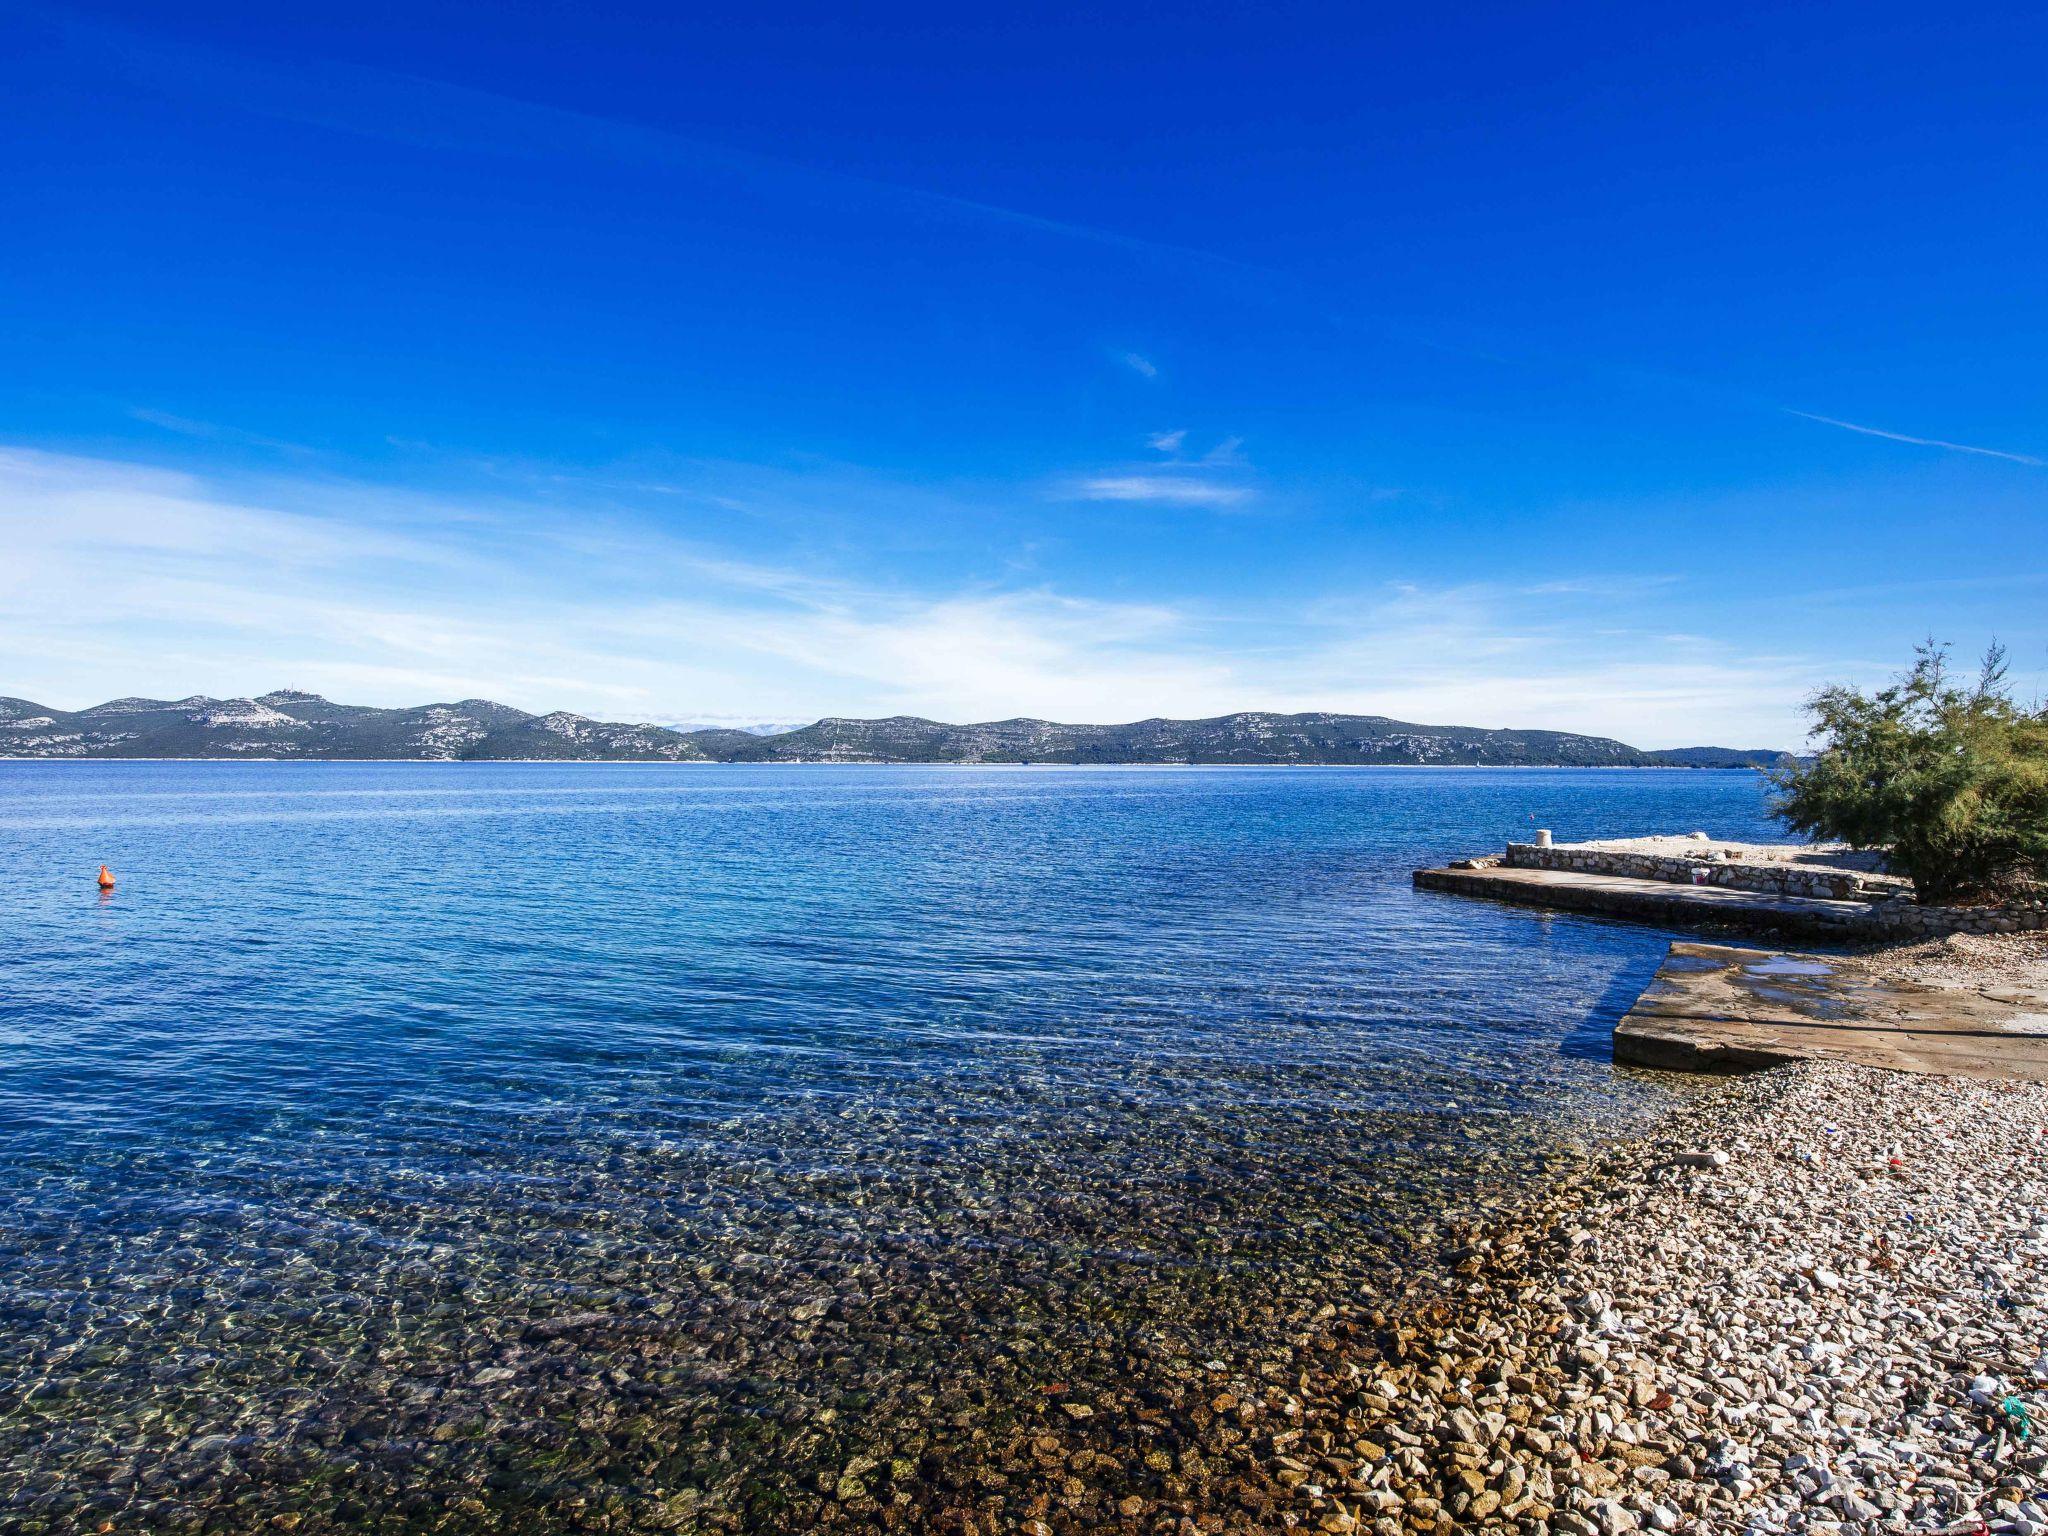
<point x="1971" y="961"/>
<point x="1838" y="1326"/>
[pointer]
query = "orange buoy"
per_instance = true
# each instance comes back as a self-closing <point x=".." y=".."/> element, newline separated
<point x="106" y="878"/>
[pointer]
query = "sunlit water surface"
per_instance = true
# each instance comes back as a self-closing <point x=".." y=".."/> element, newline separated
<point x="524" y="1147"/>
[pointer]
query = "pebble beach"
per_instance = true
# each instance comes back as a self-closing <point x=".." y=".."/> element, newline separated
<point x="1812" y="1301"/>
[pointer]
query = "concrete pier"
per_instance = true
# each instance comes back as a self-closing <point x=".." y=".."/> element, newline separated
<point x="1718" y="1008"/>
<point x="1661" y="901"/>
<point x="1773" y="890"/>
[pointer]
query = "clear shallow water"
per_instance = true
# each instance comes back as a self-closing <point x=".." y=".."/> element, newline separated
<point x="522" y="1147"/>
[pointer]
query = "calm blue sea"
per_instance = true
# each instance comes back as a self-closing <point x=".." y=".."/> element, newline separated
<point x="585" y="1143"/>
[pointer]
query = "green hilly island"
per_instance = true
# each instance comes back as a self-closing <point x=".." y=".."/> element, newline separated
<point x="293" y="725"/>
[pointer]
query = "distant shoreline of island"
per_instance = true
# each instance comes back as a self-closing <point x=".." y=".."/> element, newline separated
<point x="804" y="762"/>
<point x="291" y="726"/>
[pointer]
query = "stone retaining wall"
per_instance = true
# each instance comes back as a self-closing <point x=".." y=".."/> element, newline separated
<point x="1769" y="879"/>
<point x="1881" y="916"/>
<point x="1905" y="921"/>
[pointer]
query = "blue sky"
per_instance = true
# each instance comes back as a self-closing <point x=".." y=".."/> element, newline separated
<point x="1593" y="367"/>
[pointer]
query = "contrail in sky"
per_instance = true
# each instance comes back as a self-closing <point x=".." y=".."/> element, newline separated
<point x="1923" y="442"/>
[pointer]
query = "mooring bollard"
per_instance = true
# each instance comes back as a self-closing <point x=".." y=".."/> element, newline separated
<point x="1543" y="837"/>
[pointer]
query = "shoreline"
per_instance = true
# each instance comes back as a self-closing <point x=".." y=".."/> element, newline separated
<point x="880" y="762"/>
<point x="1825" y="1332"/>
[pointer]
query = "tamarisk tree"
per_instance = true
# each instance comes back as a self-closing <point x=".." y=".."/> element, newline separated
<point x="1949" y="778"/>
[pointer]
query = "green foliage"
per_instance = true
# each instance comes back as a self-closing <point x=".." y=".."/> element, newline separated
<point x="1949" y="779"/>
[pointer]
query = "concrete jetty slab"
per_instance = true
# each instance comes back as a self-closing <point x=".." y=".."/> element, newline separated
<point x="1719" y="1008"/>
<point x="1658" y="901"/>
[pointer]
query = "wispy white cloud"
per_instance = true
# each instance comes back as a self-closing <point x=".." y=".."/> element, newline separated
<point x="1139" y="363"/>
<point x="124" y="579"/>
<point x="1582" y="656"/>
<point x="1215" y="479"/>
<point x="1918" y="442"/>
<point x="1168" y="489"/>
<point x="1228" y="452"/>
<point x="186" y="426"/>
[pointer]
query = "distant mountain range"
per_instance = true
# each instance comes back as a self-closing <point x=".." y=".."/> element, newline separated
<point x="305" y="726"/>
